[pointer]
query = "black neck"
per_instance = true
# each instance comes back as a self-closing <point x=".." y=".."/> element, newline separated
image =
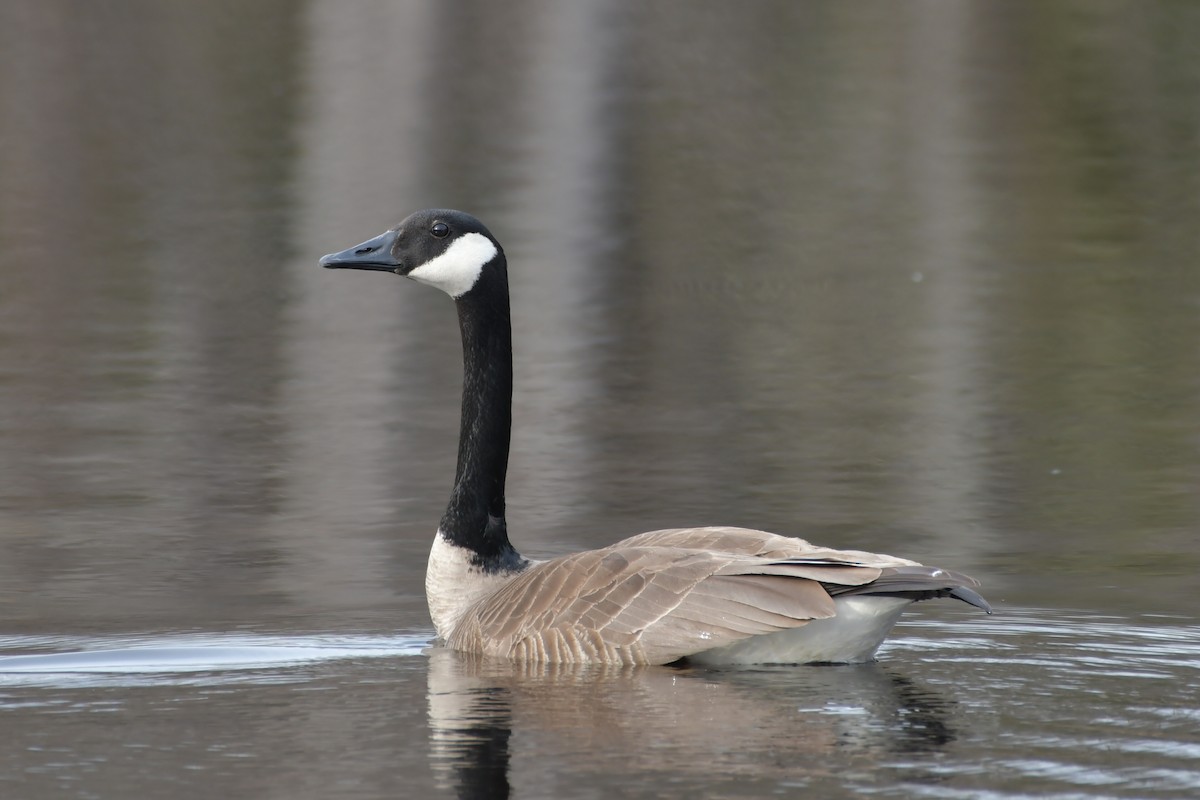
<point x="474" y="517"/>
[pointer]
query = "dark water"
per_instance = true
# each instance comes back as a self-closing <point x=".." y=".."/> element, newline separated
<point x="918" y="278"/>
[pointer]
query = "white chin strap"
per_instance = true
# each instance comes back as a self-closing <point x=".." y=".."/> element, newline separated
<point x="456" y="270"/>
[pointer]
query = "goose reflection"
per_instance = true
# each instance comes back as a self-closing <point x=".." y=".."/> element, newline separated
<point x="769" y="724"/>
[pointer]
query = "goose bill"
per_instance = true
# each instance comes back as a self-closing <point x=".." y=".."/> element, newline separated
<point x="374" y="254"/>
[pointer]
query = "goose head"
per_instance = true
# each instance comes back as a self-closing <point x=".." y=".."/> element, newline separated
<point x="445" y="249"/>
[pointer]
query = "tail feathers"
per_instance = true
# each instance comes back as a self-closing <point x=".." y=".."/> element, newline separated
<point x="917" y="583"/>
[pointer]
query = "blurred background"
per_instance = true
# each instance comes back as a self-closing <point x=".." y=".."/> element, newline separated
<point x="915" y="277"/>
<point x="912" y="277"/>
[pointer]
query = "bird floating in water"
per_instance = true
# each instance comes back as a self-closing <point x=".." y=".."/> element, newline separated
<point x="714" y="595"/>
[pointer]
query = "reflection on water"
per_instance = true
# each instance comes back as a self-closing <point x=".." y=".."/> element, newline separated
<point x="748" y="727"/>
<point x="946" y="712"/>
<point x="1030" y="703"/>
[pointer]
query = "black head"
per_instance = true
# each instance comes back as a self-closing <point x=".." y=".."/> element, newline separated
<point x="446" y="249"/>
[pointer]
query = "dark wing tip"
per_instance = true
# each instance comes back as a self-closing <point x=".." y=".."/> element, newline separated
<point x="972" y="597"/>
<point x="919" y="583"/>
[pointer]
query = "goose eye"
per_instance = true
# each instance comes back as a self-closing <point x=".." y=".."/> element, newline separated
<point x="440" y="230"/>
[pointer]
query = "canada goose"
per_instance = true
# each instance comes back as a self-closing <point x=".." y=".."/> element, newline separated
<point x="710" y="595"/>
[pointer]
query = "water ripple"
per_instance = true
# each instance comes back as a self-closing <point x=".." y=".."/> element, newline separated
<point x="184" y="658"/>
<point x="1062" y="704"/>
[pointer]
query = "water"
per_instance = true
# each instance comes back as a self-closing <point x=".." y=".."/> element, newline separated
<point x="916" y="278"/>
<point x="1036" y="703"/>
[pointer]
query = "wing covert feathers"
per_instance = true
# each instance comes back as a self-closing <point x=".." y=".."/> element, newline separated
<point x="660" y="596"/>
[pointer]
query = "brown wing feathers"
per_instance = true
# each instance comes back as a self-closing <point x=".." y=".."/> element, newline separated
<point x="662" y="595"/>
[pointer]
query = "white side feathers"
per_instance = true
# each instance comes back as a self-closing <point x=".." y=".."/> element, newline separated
<point x="456" y="270"/>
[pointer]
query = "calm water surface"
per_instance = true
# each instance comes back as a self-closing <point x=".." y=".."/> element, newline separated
<point x="918" y="278"/>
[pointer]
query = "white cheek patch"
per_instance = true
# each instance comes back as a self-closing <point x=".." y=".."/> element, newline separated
<point x="456" y="270"/>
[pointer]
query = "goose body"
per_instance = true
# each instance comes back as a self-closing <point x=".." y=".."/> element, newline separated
<point x="709" y="595"/>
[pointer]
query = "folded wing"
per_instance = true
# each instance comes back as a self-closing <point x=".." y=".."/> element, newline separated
<point x="663" y="595"/>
